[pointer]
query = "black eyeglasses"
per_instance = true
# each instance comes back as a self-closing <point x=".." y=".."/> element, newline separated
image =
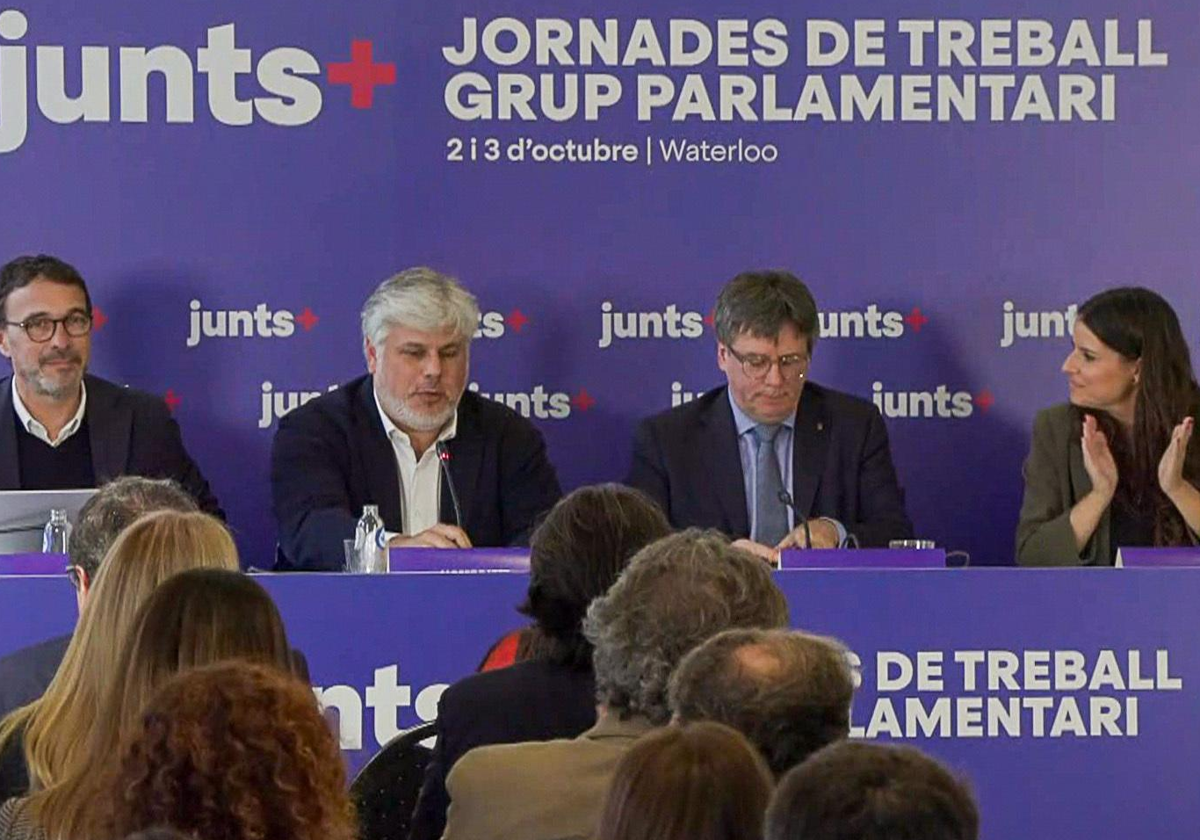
<point x="791" y="367"/>
<point x="41" y="328"/>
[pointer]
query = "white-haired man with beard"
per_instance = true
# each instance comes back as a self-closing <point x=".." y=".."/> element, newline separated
<point x="60" y="427"/>
<point x="376" y="440"/>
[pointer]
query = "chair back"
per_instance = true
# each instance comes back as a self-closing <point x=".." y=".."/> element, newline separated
<point x="385" y="791"/>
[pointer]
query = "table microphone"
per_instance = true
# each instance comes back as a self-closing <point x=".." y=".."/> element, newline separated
<point x="786" y="499"/>
<point x="443" y="455"/>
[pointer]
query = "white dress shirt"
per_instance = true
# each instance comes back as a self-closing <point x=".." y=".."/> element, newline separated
<point x="31" y="425"/>
<point x="420" y="480"/>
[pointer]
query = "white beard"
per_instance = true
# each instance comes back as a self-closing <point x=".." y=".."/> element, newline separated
<point x="405" y="416"/>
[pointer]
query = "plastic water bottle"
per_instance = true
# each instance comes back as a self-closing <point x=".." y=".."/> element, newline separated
<point x="56" y="539"/>
<point x="369" y="543"/>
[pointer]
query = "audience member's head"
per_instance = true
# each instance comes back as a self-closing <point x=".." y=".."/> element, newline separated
<point x="701" y="781"/>
<point x="788" y="692"/>
<point x="153" y="548"/>
<point x="674" y="594"/>
<point x="858" y="791"/>
<point x="110" y="510"/>
<point x="231" y="751"/>
<point x="575" y="555"/>
<point x="198" y="617"/>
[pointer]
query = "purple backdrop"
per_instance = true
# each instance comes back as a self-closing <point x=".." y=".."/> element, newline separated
<point x="917" y="232"/>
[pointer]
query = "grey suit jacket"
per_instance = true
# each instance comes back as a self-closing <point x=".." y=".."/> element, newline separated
<point x="1055" y="480"/>
<point x="549" y="790"/>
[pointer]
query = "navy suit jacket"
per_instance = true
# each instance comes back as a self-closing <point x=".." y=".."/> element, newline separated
<point x="528" y="701"/>
<point x="687" y="460"/>
<point x="130" y="433"/>
<point x="331" y="457"/>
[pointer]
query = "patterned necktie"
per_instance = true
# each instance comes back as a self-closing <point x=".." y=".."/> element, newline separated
<point x="770" y="515"/>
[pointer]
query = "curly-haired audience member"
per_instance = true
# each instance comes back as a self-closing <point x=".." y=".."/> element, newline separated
<point x="196" y="618"/>
<point x="231" y="751"/>
<point x="700" y="781"/>
<point x="674" y="594"/>
<point x="856" y="791"/>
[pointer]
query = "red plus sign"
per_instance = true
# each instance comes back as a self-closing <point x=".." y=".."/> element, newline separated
<point x="307" y="319"/>
<point x="171" y="399"/>
<point x="915" y="319"/>
<point x="711" y="317"/>
<point x="362" y="74"/>
<point x="517" y="320"/>
<point x="985" y="400"/>
<point x="99" y="319"/>
<point x="583" y="400"/>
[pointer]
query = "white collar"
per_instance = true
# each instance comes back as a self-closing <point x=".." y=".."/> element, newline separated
<point x="35" y="428"/>
<point x="448" y="431"/>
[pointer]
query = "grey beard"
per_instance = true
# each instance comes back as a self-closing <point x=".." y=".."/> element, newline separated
<point x="404" y="416"/>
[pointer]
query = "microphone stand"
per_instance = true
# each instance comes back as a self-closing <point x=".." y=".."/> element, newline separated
<point x="443" y="455"/>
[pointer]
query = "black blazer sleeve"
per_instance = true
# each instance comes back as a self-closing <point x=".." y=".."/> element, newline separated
<point x="158" y="451"/>
<point x="309" y="464"/>
<point x="528" y="483"/>
<point x="881" y="514"/>
<point x="648" y="471"/>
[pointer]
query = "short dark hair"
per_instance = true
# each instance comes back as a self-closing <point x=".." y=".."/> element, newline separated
<point x="788" y="692"/>
<point x="702" y="781"/>
<point x="761" y="302"/>
<point x="20" y="272"/>
<point x="857" y="791"/>
<point x="674" y="594"/>
<point x="575" y="555"/>
<point x="113" y="507"/>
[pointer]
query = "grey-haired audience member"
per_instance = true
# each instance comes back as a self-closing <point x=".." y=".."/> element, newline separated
<point x="25" y="673"/>
<point x="857" y="791"/>
<point x="674" y="594"/>
<point x="788" y="692"/>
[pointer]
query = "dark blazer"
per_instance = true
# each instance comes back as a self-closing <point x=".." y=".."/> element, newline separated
<point x="25" y="674"/>
<point x="528" y="701"/>
<point x="687" y="459"/>
<point x="1055" y="480"/>
<point x="331" y="457"/>
<point x="130" y="433"/>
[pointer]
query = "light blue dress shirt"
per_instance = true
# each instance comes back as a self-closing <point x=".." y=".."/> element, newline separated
<point x="748" y="451"/>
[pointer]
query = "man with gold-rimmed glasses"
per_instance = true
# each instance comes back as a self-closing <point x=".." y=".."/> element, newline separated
<point x="61" y="428"/>
<point x="772" y="457"/>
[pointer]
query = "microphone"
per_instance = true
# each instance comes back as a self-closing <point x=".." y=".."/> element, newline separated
<point x="785" y="499"/>
<point x="443" y="455"/>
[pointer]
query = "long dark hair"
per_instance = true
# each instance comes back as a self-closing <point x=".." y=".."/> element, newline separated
<point x="1140" y="325"/>
<point x="575" y="555"/>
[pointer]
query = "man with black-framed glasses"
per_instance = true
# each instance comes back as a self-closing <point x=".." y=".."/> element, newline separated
<point x="60" y="427"/>
<point x="772" y="457"/>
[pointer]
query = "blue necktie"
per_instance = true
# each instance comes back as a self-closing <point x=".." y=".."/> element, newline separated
<point x="770" y="515"/>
